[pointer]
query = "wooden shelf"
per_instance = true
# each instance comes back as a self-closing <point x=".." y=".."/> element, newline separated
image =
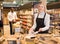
<point x="26" y="20"/>
<point x="54" y="23"/>
<point x="25" y="15"/>
<point x="53" y="5"/>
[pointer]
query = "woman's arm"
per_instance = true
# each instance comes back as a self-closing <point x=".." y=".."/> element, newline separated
<point x="34" y="24"/>
<point x="46" y="22"/>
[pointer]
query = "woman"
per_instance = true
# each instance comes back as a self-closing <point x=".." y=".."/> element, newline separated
<point x="41" y="20"/>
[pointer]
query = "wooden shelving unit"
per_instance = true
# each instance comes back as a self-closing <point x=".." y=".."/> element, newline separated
<point x="26" y="21"/>
<point x="55" y="23"/>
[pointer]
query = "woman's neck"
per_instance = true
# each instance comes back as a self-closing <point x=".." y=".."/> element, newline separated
<point x="41" y="12"/>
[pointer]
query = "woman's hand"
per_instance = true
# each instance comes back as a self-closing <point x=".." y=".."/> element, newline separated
<point x="40" y="30"/>
<point x="31" y="31"/>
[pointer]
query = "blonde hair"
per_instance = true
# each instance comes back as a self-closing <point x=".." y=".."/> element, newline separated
<point x="43" y="6"/>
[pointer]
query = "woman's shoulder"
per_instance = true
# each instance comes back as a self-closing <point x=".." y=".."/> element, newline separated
<point x="35" y="15"/>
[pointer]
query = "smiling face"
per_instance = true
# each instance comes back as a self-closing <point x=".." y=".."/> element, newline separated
<point x="40" y="7"/>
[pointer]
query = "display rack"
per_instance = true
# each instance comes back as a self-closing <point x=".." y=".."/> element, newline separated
<point x="26" y="21"/>
<point x="54" y="25"/>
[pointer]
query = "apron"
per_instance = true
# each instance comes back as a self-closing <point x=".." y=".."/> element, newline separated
<point x="40" y="24"/>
